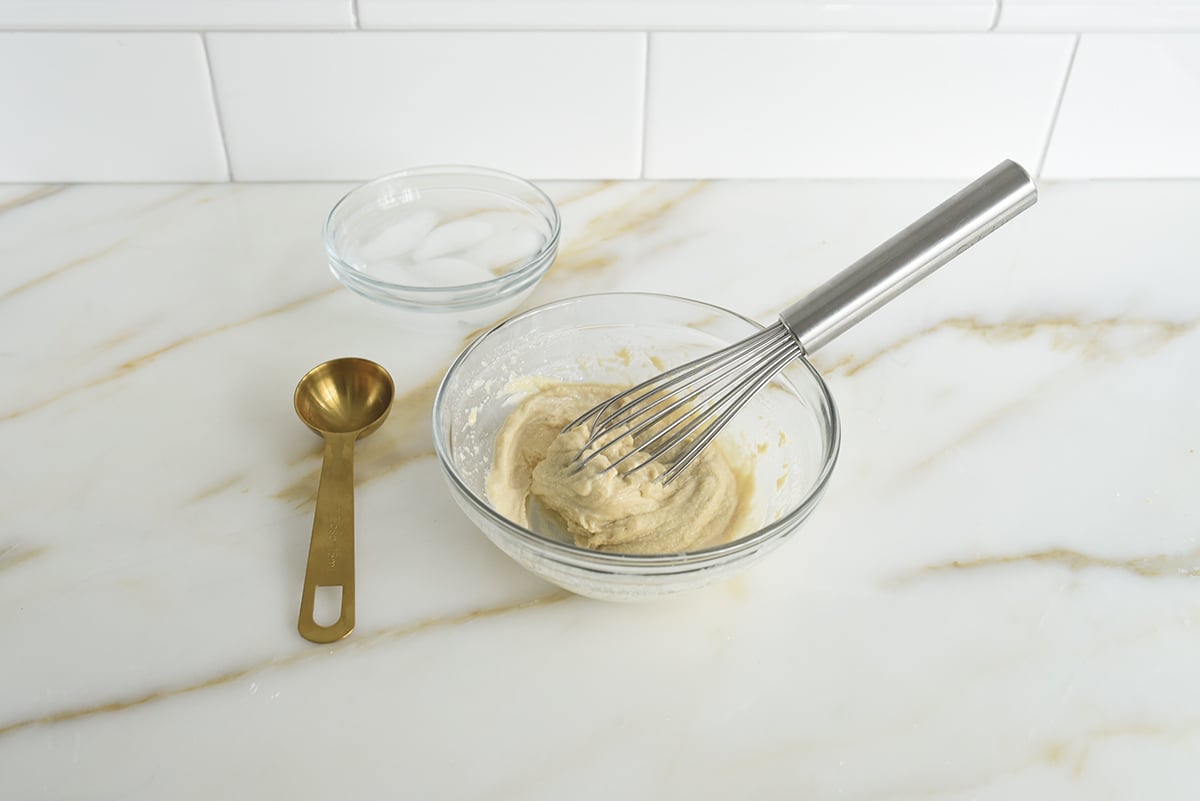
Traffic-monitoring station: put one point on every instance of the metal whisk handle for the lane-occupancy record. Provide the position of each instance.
(906, 258)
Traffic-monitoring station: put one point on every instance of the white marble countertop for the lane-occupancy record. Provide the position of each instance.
(997, 599)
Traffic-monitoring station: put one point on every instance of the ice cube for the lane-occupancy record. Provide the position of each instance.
(506, 249)
(452, 237)
(446, 271)
(399, 237)
(394, 270)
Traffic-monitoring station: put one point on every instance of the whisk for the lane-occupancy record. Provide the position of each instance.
(674, 416)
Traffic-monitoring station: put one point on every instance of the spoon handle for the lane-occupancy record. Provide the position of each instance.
(331, 549)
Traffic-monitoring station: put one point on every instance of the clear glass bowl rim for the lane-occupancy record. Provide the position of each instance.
(531, 264)
(622, 562)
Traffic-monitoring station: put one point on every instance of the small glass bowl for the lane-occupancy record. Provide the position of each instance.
(790, 428)
(457, 244)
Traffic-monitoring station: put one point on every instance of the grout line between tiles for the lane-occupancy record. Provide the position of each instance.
(996, 15)
(645, 102)
(1062, 93)
(212, 87)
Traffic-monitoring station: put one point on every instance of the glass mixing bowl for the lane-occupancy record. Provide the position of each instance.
(790, 430)
(449, 246)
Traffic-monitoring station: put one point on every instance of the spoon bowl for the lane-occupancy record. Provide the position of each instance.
(344, 396)
(341, 400)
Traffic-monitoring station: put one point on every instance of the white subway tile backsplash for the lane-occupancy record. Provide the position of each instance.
(330, 106)
(837, 106)
(1099, 15)
(107, 107)
(597, 88)
(185, 14)
(839, 15)
(1131, 109)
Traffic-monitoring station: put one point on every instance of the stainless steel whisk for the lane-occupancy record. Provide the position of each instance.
(690, 404)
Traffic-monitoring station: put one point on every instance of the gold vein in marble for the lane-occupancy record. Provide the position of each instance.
(45, 192)
(124, 369)
(1160, 332)
(586, 193)
(57, 271)
(218, 488)
(1067, 333)
(13, 555)
(157, 204)
(642, 211)
(979, 426)
(1077, 750)
(357, 641)
(133, 364)
(471, 337)
(1160, 565)
(116, 339)
(41, 193)
(1058, 753)
(123, 213)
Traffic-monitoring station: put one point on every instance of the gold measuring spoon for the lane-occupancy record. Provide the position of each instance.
(341, 400)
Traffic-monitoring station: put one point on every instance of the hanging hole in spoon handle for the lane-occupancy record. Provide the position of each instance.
(888, 270)
(331, 549)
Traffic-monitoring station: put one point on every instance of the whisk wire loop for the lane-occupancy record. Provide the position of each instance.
(664, 380)
(767, 373)
(690, 420)
(689, 412)
(616, 426)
